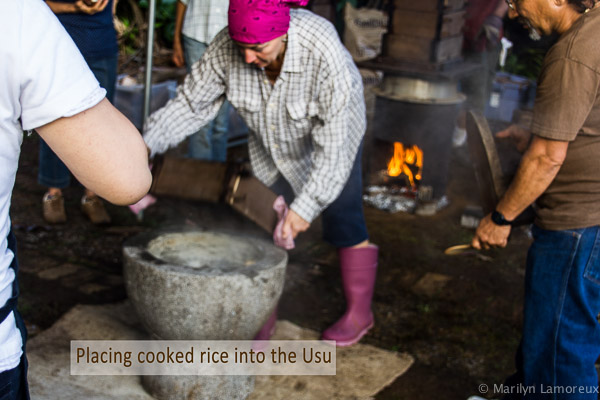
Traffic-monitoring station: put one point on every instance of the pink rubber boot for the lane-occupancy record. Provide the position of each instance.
(268, 329)
(358, 267)
(261, 340)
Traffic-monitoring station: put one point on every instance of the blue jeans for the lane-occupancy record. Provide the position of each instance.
(561, 334)
(52, 172)
(210, 142)
(343, 220)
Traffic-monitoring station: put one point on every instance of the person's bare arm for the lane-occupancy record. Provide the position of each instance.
(177, 58)
(103, 150)
(537, 170)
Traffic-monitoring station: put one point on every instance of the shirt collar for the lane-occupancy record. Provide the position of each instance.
(292, 62)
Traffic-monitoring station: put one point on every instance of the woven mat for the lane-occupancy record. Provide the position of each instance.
(362, 370)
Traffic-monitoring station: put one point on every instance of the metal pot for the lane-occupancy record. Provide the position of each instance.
(421, 91)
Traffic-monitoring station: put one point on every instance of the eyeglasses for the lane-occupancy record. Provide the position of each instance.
(512, 4)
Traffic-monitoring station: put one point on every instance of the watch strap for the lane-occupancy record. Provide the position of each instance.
(499, 219)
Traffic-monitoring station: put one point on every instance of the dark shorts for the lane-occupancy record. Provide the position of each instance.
(13, 383)
(343, 221)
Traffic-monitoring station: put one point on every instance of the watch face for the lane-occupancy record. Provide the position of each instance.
(499, 219)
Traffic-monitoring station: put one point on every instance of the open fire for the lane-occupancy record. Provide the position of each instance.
(397, 186)
(407, 162)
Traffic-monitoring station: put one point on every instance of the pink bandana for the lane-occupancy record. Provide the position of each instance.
(258, 21)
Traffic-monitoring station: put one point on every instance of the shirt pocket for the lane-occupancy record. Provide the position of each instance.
(302, 117)
(248, 107)
(247, 104)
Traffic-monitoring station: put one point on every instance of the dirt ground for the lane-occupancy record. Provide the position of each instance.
(459, 316)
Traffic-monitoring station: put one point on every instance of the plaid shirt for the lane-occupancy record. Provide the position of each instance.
(204, 18)
(307, 126)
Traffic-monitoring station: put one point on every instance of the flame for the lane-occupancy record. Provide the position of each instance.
(403, 159)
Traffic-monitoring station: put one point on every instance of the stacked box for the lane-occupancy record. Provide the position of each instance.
(426, 31)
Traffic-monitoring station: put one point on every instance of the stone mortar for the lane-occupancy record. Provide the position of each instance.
(169, 387)
(199, 285)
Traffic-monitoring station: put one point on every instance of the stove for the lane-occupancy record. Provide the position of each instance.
(418, 100)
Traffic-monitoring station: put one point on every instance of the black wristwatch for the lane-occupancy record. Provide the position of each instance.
(499, 219)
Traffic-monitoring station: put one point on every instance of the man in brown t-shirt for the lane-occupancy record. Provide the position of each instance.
(560, 171)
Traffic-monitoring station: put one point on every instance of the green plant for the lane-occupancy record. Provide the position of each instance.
(164, 21)
(128, 36)
(132, 24)
(527, 64)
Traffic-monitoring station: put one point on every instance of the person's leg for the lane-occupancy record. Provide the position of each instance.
(220, 129)
(105, 70)
(344, 221)
(193, 51)
(210, 142)
(344, 227)
(21, 387)
(13, 382)
(53, 174)
(561, 334)
(52, 171)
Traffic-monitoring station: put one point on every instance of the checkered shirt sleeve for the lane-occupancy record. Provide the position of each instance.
(307, 126)
(197, 102)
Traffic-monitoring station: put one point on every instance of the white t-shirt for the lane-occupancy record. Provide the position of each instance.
(43, 77)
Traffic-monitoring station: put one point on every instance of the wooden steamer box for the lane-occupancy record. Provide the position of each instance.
(427, 31)
(430, 5)
(423, 50)
(191, 179)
